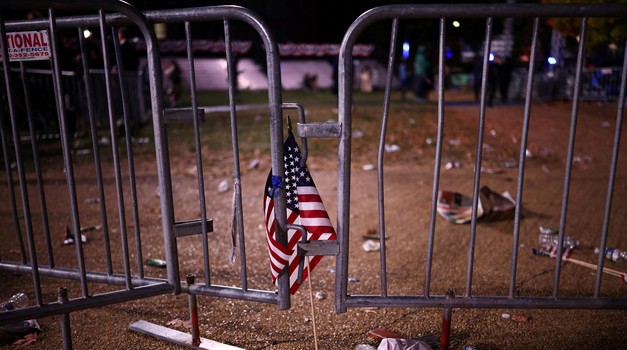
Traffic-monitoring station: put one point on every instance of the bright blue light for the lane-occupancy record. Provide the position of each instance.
(405, 50)
(448, 53)
(552, 60)
(491, 57)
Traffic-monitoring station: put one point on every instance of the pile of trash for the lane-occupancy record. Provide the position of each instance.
(548, 242)
(390, 340)
(20, 333)
(457, 208)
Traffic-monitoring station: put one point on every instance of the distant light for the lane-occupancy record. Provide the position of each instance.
(405, 49)
(552, 60)
(456, 24)
(86, 33)
(448, 53)
(491, 57)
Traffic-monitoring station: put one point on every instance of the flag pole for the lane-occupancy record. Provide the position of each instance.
(313, 311)
(311, 297)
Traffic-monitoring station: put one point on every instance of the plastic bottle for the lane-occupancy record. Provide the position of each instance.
(548, 240)
(17, 301)
(614, 254)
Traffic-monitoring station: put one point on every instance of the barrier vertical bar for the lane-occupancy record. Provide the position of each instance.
(126, 111)
(522, 156)
(570, 152)
(276, 140)
(381, 153)
(345, 79)
(37, 165)
(96, 149)
(238, 219)
(199, 164)
(114, 150)
(438, 160)
(66, 148)
(478, 154)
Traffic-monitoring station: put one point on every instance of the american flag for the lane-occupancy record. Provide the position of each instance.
(304, 207)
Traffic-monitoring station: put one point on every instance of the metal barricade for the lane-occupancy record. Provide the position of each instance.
(601, 84)
(423, 295)
(116, 197)
(109, 198)
(227, 15)
(34, 198)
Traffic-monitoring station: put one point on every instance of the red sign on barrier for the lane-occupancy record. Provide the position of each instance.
(27, 46)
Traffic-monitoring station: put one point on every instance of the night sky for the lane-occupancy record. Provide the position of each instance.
(318, 21)
(326, 21)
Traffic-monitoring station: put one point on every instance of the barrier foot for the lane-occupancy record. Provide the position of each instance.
(64, 321)
(177, 337)
(193, 311)
(446, 323)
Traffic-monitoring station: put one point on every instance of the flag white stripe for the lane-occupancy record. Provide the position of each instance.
(307, 190)
(325, 236)
(278, 253)
(315, 222)
(269, 215)
(311, 206)
(293, 278)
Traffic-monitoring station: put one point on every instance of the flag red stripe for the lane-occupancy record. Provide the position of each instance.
(309, 197)
(294, 239)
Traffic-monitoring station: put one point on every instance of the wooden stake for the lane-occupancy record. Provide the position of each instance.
(612, 272)
(619, 274)
(313, 311)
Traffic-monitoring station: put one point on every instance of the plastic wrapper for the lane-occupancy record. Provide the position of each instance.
(403, 344)
(21, 327)
(457, 208)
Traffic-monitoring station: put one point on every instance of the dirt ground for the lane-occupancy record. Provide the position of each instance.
(408, 176)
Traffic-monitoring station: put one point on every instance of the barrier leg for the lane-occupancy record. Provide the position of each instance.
(193, 312)
(446, 323)
(64, 321)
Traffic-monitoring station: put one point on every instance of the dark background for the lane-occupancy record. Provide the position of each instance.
(326, 21)
(322, 21)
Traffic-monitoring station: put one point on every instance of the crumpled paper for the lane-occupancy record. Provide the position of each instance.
(403, 344)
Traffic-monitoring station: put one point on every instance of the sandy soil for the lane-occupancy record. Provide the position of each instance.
(408, 174)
